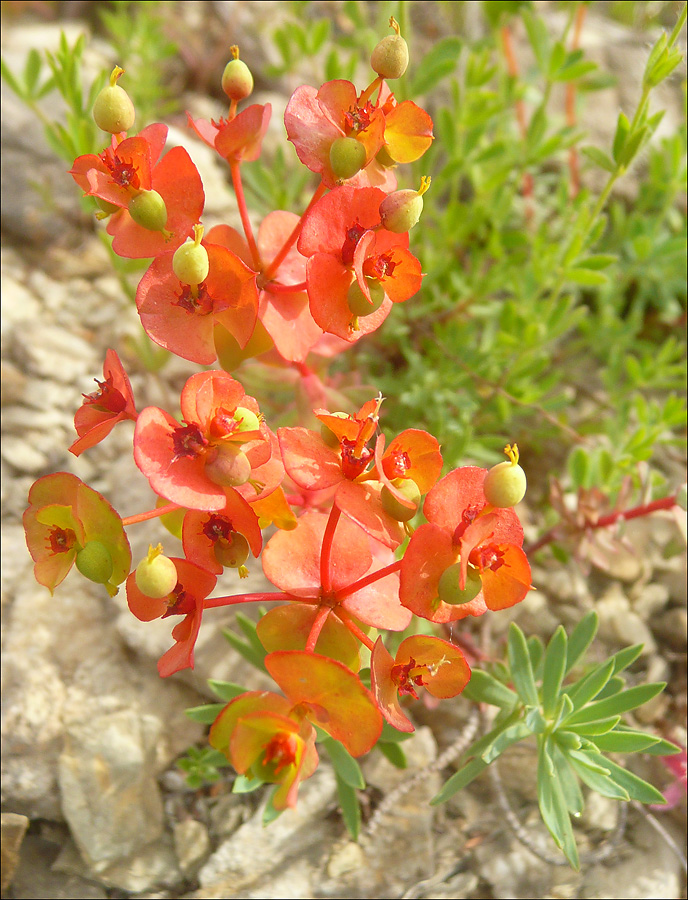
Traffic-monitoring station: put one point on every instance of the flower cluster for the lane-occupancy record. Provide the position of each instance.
(345, 559)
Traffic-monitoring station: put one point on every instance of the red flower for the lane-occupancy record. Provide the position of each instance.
(206, 536)
(263, 736)
(462, 528)
(113, 402)
(182, 317)
(238, 139)
(199, 463)
(408, 130)
(193, 586)
(126, 168)
(345, 243)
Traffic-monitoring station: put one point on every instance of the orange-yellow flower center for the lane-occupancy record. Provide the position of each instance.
(280, 752)
(60, 540)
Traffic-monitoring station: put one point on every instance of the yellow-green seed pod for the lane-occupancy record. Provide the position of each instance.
(359, 303)
(156, 574)
(190, 262)
(113, 110)
(347, 157)
(230, 466)
(232, 553)
(148, 210)
(448, 589)
(246, 419)
(237, 80)
(230, 355)
(390, 58)
(401, 210)
(95, 562)
(395, 508)
(505, 484)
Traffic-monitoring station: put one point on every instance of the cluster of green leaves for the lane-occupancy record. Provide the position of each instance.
(575, 723)
(201, 765)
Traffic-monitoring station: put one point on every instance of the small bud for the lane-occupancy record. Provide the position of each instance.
(359, 303)
(95, 562)
(148, 210)
(156, 574)
(347, 157)
(396, 509)
(237, 81)
(400, 211)
(232, 553)
(390, 58)
(113, 110)
(505, 483)
(190, 261)
(328, 435)
(230, 467)
(105, 209)
(448, 589)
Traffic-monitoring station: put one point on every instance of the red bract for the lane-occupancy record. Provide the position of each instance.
(179, 459)
(182, 317)
(292, 561)
(314, 119)
(344, 242)
(123, 170)
(330, 696)
(463, 528)
(63, 516)
(288, 627)
(239, 139)
(113, 402)
(264, 737)
(207, 535)
(421, 661)
(193, 586)
(408, 130)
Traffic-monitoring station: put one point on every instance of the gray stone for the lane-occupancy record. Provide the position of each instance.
(191, 845)
(12, 830)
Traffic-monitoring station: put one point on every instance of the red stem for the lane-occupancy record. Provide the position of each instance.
(317, 627)
(271, 270)
(368, 579)
(150, 514)
(263, 597)
(326, 550)
(273, 288)
(605, 521)
(235, 169)
(354, 629)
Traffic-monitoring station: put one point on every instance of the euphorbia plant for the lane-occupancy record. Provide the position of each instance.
(346, 559)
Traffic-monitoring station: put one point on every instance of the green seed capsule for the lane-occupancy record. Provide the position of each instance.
(448, 588)
(400, 211)
(190, 263)
(505, 485)
(358, 302)
(246, 419)
(396, 509)
(95, 562)
(237, 80)
(390, 58)
(156, 575)
(113, 110)
(347, 156)
(230, 467)
(148, 210)
(232, 553)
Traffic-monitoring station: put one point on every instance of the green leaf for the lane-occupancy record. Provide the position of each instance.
(601, 159)
(392, 735)
(459, 780)
(206, 714)
(567, 740)
(439, 62)
(586, 277)
(535, 721)
(636, 788)
(553, 671)
(394, 753)
(624, 658)
(246, 650)
(597, 261)
(350, 807)
(32, 69)
(538, 37)
(580, 638)
(536, 650)
(578, 466)
(270, 813)
(554, 809)
(226, 690)
(571, 71)
(244, 785)
(625, 741)
(601, 726)
(507, 738)
(588, 687)
(10, 80)
(623, 127)
(485, 688)
(345, 766)
(598, 781)
(570, 788)
(619, 703)
(519, 664)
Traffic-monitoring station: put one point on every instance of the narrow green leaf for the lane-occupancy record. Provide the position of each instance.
(392, 735)
(624, 658)
(588, 687)
(205, 714)
(248, 653)
(394, 753)
(618, 704)
(10, 80)
(519, 663)
(570, 788)
(248, 626)
(564, 709)
(663, 748)
(459, 780)
(636, 788)
(586, 277)
(485, 688)
(601, 159)
(244, 785)
(535, 721)
(553, 808)
(226, 690)
(538, 37)
(625, 741)
(270, 813)
(567, 740)
(350, 807)
(553, 670)
(633, 144)
(578, 465)
(32, 69)
(569, 72)
(345, 766)
(536, 650)
(583, 757)
(507, 738)
(603, 784)
(601, 726)
(597, 261)
(623, 127)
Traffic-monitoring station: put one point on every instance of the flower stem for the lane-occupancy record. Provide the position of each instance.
(354, 629)
(273, 288)
(235, 169)
(317, 627)
(150, 514)
(279, 259)
(233, 600)
(371, 578)
(326, 550)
